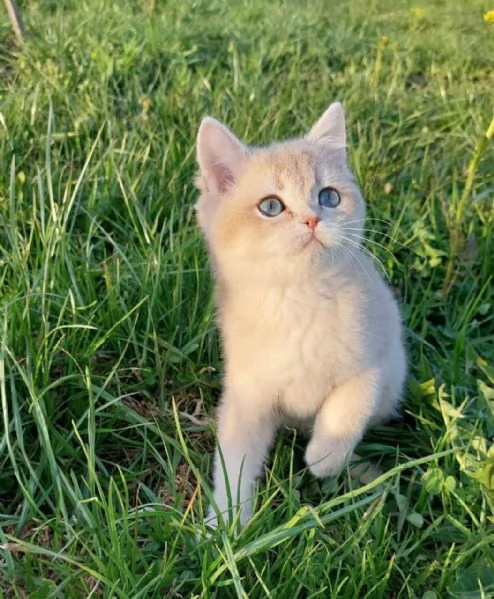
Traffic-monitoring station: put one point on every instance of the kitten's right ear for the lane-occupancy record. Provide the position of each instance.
(330, 128)
(221, 156)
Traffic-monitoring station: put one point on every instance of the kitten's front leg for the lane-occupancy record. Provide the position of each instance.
(244, 437)
(341, 422)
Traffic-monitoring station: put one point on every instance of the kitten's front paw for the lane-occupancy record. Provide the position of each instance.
(213, 522)
(206, 530)
(328, 458)
(245, 515)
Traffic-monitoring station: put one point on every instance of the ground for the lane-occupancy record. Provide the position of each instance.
(110, 365)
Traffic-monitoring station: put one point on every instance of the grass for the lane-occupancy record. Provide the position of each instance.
(109, 359)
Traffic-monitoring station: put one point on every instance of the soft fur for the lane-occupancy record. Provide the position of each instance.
(311, 333)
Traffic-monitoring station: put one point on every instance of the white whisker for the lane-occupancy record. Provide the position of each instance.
(369, 219)
(368, 253)
(376, 243)
(359, 263)
(376, 232)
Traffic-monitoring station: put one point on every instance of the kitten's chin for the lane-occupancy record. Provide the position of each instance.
(312, 243)
(325, 237)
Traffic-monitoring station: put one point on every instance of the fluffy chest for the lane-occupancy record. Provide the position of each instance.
(292, 346)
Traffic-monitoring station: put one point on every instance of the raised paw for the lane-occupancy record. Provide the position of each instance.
(328, 458)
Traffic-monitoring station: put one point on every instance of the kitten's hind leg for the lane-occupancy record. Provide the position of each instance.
(341, 422)
(244, 438)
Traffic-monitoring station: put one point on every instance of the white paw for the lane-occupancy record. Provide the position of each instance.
(205, 531)
(213, 522)
(245, 514)
(329, 458)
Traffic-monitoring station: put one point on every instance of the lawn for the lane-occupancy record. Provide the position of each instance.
(110, 366)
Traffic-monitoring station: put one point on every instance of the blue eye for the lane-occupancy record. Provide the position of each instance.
(329, 197)
(271, 207)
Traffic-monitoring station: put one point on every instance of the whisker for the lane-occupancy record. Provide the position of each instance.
(376, 243)
(366, 250)
(369, 219)
(359, 262)
(346, 251)
(331, 257)
(370, 254)
(375, 232)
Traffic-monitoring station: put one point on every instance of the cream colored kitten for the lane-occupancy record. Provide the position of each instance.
(311, 333)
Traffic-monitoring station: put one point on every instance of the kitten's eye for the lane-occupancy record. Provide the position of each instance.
(329, 197)
(271, 207)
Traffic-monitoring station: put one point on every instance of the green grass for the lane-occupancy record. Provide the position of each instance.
(109, 360)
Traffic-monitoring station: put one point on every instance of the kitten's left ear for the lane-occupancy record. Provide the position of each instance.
(330, 128)
(221, 156)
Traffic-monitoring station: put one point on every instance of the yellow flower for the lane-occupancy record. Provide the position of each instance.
(145, 103)
(489, 16)
(417, 12)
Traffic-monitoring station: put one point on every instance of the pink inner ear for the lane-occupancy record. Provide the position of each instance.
(220, 155)
(221, 177)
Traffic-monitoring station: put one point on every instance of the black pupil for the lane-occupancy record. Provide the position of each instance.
(271, 207)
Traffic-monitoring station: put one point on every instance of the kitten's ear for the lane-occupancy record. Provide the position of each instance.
(330, 128)
(221, 156)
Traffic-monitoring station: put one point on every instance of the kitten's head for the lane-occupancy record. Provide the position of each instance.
(279, 211)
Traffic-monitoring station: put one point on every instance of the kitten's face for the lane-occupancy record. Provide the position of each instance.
(281, 210)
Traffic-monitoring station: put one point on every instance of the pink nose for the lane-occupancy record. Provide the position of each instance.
(311, 221)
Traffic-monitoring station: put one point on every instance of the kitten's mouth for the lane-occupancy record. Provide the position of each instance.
(312, 241)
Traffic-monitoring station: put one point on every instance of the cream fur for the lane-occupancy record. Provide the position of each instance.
(311, 334)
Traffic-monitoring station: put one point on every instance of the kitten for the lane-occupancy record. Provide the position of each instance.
(311, 334)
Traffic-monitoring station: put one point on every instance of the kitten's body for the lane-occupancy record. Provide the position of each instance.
(311, 333)
(291, 329)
